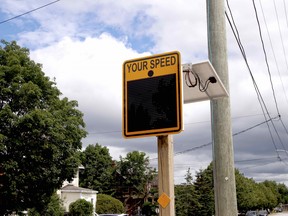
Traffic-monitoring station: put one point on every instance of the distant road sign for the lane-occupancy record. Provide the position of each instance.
(152, 95)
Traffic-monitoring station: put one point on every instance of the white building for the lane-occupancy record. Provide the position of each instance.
(70, 192)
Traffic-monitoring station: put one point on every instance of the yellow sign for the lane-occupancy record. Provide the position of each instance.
(152, 95)
(160, 65)
(164, 200)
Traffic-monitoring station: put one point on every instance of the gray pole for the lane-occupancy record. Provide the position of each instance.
(223, 153)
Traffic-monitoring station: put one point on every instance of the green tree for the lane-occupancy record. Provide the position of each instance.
(107, 204)
(135, 170)
(283, 193)
(81, 207)
(135, 176)
(149, 208)
(97, 174)
(246, 192)
(186, 199)
(280, 192)
(261, 200)
(54, 208)
(40, 133)
(204, 190)
(271, 194)
(252, 195)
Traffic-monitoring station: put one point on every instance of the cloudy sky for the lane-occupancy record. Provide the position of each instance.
(83, 44)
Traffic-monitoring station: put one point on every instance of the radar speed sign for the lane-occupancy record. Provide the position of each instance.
(152, 95)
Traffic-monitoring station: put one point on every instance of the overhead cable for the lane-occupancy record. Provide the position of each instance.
(256, 159)
(15, 17)
(262, 164)
(283, 48)
(266, 58)
(268, 68)
(272, 48)
(259, 95)
(285, 9)
(210, 143)
(186, 124)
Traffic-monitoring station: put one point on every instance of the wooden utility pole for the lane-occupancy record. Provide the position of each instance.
(166, 175)
(223, 153)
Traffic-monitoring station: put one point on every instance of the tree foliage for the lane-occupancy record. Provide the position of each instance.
(81, 207)
(149, 208)
(97, 173)
(244, 190)
(205, 192)
(186, 199)
(283, 193)
(133, 176)
(135, 171)
(127, 179)
(39, 132)
(250, 194)
(107, 204)
(53, 208)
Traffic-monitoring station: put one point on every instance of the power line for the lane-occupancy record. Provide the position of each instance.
(272, 48)
(259, 95)
(265, 54)
(285, 128)
(192, 149)
(236, 117)
(285, 9)
(210, 143)
(186, 124)
(234, 134)
(256, 159)
(15, 17)
(262, 164)
(268, 68)
(260, 160)
(238, 40)
(250, 128)
(283, 48)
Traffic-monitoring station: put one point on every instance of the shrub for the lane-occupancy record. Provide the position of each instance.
(108, 204)
(80, 207)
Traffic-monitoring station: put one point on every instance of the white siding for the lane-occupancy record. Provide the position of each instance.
(69, 197)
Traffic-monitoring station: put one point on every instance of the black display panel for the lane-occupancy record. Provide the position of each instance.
(152, 103)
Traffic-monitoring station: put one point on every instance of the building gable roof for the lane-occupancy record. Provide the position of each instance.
(73, 189)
